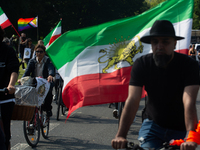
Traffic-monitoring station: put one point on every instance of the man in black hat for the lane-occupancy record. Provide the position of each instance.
(171, 80)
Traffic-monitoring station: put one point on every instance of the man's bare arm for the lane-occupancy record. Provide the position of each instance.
(13, 79)
(189, 101)
(128, 115)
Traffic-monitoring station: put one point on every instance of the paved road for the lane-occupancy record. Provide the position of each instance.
(91, 127)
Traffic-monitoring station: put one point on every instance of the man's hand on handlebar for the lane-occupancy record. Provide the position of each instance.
(11, 89)
(188, 146)
(19, 81)
(50, 79)
(119, 143)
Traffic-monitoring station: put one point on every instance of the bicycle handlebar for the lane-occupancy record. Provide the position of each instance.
(166, 146)
(4, 90)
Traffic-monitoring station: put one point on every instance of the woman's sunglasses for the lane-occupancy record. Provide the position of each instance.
(39, 52)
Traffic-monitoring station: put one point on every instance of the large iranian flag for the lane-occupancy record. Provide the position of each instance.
(95, 62)
(53, 35)
(4, 22)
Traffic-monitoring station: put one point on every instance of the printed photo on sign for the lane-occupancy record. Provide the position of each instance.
(27, 53)
(42, 89)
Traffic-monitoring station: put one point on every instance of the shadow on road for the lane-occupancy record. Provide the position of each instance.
(64, 143)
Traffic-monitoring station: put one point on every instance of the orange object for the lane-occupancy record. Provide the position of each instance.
(176, 142)
(193, 137)
(198, 127)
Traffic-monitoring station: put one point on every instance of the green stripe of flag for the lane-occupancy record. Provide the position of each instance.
(48, 37)
(72, 43)
(1, 11)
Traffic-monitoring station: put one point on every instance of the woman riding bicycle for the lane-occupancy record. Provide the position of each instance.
(9, 67)
(41, 66)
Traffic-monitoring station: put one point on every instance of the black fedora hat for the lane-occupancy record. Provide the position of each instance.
(161, 28)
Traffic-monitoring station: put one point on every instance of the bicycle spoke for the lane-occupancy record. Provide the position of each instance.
(45, 124)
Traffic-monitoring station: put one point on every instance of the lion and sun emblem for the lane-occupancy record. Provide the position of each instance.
(123, 50)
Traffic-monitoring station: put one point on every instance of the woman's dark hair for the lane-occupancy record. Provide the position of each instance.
(40, 46)
(28, 40)
(193, 47)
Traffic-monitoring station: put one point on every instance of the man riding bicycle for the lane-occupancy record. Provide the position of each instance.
(171, 80)
(9, 67)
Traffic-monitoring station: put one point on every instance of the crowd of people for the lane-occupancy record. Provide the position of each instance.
(16, 52)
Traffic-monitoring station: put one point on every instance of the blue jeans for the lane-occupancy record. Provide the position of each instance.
(152, 135)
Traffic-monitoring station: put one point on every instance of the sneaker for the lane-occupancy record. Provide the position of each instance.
(115, 113)
(54, 97)
(49, 113)
(30, 129)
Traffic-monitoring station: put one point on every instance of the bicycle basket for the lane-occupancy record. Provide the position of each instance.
(23, 112)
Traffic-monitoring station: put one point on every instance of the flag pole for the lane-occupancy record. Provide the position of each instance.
(37, 34)
(15, 30)
(37, 30)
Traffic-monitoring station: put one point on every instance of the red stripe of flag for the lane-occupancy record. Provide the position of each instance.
(81, 92)
(6, 24)
(53, 38)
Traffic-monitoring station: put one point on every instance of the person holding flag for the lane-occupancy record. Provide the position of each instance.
(170, 110)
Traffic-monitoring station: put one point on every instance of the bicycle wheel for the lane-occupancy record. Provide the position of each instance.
(59, 102)
(44, 124)
(32, 130)
(121, 106)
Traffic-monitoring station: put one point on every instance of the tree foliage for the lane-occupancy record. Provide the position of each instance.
(153, 3)
(75, 14)
(196, 13)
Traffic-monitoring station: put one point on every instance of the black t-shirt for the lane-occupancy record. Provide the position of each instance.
(165, 87)
(8, 64)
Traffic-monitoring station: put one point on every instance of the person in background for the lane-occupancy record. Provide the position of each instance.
(40, 42)
(30, 45)
(22, 45)
(193, 52)
(8, 76)
(14, 43)
(6, 41)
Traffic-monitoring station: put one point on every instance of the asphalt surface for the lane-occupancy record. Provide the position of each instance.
(91, 127)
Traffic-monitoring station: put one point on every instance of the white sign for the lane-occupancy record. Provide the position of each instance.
(27, 53)
(42, 89)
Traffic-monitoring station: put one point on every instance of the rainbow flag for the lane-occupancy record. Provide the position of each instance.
(34, 22)
(23, 23)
